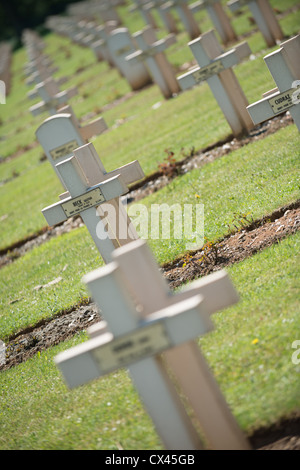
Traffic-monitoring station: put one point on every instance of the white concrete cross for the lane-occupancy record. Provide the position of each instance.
(164, 12)
(61, 134)
(42, 75)
(219, 18)
(284, 66)
(94, 194)
(152, 53)
(144, 319)
(186, 16)
(85, 200)
(51, 96)
(38, 64)
(264, 17)
(141, 6)
(107, 11)
(120, 45)
(99, 45)
(215, 68)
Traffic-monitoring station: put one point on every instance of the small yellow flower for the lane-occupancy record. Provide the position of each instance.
(197, 195)
(255, 341)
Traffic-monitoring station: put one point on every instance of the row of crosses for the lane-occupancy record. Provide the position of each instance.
(146, 327)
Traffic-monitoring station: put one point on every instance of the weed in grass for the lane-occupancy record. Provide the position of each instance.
(168, 166)
(240, 221)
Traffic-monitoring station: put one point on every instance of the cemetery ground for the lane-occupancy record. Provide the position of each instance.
(250, 190)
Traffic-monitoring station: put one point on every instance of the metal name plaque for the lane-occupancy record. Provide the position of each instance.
(64, 149)
(208, 71)
(81, 203)
(283, 101)
(130, 348)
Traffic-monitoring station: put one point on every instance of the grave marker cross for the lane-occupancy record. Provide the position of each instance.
(185, 14)
(219, 18)
(152, 53)
(120, 45)
(264, 17)
(215, 68)
(284, 66)
(145, 319)
(83, 199)
(89, 187)
(51, 96)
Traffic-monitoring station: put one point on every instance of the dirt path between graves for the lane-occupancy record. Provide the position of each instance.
(250, 239)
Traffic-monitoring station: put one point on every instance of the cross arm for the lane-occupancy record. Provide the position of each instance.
(162, 330)
(96, 195)
(222, 62)
(95, 127)
(151, 50)
(235, 5)
(271, 106)
(217, 290)
(131, 172)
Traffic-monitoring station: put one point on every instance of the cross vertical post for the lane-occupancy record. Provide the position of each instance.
(215, 68)
(152, 53)
(264, 17)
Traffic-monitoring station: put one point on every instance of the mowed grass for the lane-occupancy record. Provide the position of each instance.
(250, 353)
(141, 127)
(263, 177)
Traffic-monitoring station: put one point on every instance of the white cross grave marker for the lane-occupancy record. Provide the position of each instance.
(83, 199)
(215, 68)
(42, 75)
(264, 17)
(141, 6)
(144, 319)
(152, 52)
(165, 14)
(284, 66)
(186, 16)
(38, 64)
(120, 45)
(61, 135)
(219, 18)
(99, 45)
(88, 187)
(51, 96)
(61, 138)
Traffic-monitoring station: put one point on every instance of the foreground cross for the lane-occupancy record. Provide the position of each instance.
(284, 66)
(264, 17)
(142, 320)
(152, 53)
(215, 68)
